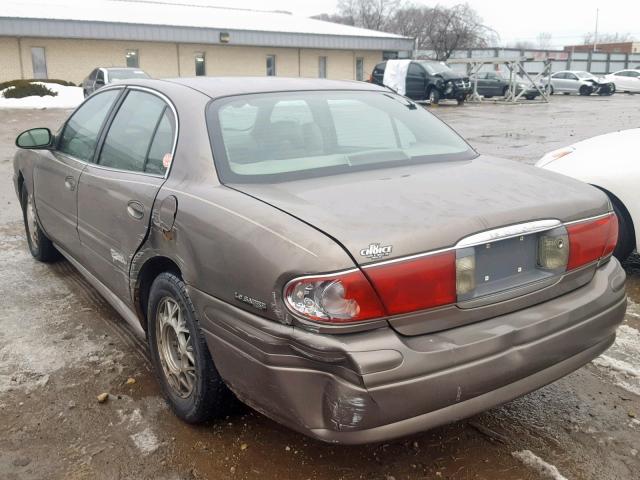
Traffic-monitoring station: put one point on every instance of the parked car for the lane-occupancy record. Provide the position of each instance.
(608, 162)
(102, 76)
(493, 84)
(580, 82)
(334, 255)
(429, 80)
(626, 80)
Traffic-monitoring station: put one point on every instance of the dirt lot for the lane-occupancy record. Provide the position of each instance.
(61, 345)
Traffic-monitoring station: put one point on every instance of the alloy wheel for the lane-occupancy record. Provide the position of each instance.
(175, 348)
(32, 223)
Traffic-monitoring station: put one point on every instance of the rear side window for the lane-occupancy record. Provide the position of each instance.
(140, 138)
(80, 135)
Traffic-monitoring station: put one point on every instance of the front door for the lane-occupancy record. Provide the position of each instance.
(415, 82)
(57, 172)
(116, 195)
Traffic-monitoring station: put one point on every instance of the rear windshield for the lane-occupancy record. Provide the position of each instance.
(275, 137)
(124, 74)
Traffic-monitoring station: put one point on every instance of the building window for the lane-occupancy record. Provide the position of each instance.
(360, 69)
(322, 67)
(271, 65)
(39, 62)
(132, 59)
(200, 65)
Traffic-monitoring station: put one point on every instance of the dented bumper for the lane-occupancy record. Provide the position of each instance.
(378, 385)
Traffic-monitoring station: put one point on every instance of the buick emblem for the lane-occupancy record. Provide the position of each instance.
(374, 251)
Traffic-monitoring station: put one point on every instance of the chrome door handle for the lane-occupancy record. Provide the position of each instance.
(135, 209)
(70, 183)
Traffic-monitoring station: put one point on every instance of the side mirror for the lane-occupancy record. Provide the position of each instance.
(36, 138)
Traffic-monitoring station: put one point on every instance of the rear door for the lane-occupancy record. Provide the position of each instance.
(57, 172)
(116, 194)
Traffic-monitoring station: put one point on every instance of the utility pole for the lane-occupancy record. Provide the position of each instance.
(595, 37)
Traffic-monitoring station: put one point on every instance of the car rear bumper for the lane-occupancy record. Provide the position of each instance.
(378, 385)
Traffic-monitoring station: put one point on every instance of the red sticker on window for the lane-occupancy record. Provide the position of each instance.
(166, 160)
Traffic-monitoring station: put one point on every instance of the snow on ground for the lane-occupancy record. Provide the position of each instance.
(545, 469)
(68, 97)
(622, 361)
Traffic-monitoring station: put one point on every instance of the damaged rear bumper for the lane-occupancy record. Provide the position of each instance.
(377, 385)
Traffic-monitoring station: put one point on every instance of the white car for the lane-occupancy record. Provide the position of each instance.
(609, 162)
(626, 80)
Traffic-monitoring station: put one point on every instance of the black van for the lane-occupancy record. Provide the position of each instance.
(430, 80)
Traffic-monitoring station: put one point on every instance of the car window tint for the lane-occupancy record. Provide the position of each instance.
(159, 157)
(129, 137)
(620, 74)
(414, 69)
(359, 125)
(80, 135)
(571, 76)
(633, 74)
(100, 75)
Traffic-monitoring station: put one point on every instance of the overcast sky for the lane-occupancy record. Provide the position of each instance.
(566, 20)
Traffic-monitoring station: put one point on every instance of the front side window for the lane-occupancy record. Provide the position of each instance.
(322, 67)
(360, 69)
(100, 76)
(130, 144)
(271, 65)
(267, 138)
(132, 58)
(200, 65)
(80, 135)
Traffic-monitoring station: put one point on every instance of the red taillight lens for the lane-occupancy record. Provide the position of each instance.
(416, 284)
(591, 240)
(340, 298)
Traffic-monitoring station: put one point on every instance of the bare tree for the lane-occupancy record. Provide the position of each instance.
(544, 40)
(334, 18)
(373, 14)
(449, 29)
(589, 37)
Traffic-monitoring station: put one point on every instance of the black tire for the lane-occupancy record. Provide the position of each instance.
(433, 95)
(585, 90)
(505, 91)
(626, 233)
(209, 397)
(41, 248)
(460, 100)
(530, 97)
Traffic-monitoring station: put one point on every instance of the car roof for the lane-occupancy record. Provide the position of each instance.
(216, 87)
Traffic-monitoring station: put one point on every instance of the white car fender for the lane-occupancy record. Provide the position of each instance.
(610, 162)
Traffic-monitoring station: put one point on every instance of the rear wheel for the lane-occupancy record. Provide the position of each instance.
(182, 363)
(460, 100)
(530, 97)
(40, 246)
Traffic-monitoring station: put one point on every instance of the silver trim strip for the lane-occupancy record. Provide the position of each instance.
(511, 231)
(573, 222)
(410, 257)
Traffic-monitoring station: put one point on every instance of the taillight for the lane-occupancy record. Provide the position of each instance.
(591, 240)
(416, 283)
(340, 298)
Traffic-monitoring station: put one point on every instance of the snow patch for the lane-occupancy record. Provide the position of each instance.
(545, 469)
(146, 441)
(622, 361)
(68, 97)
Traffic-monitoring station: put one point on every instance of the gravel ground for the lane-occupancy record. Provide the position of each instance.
(61, 345)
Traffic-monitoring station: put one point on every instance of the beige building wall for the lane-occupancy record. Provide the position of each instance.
(9, 59)
(71, 59)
